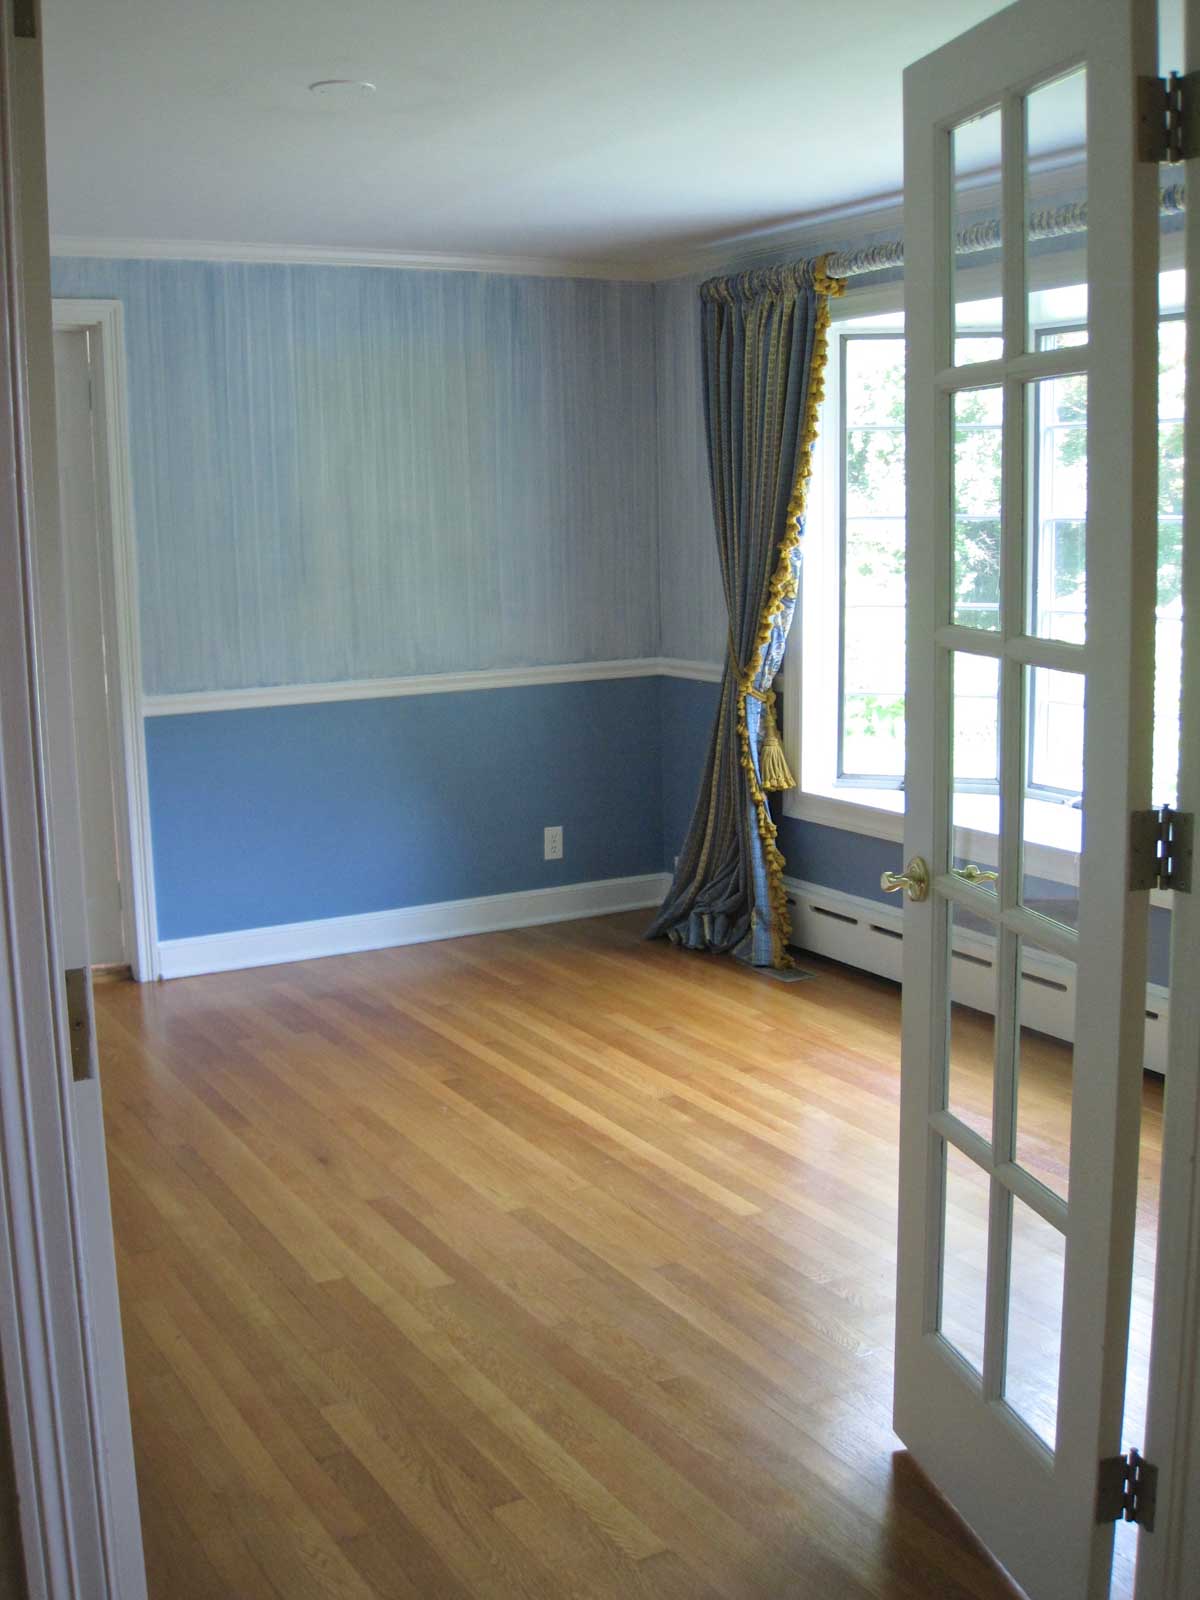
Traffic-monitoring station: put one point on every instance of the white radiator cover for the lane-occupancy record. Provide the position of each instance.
(865, 934)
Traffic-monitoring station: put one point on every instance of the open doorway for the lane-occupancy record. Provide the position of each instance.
(96, 499)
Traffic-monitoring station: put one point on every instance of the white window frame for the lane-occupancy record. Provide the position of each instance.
(810, 677)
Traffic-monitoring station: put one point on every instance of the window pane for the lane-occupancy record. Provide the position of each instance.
(1055, 127)
(974, 154)
(963, 1295)
(875, 380)
(1064, 338)
(1042, 1135)
(1168, 642)
(1058, 572)
(1055, 714)
(875, 472)
(875, 650)
(873, 736)
(980, 347)
(975, 757)
(970, 1048)
(1035, 1304)
(1051, 813)
(978, 417)
(874, 561)
(872, 634)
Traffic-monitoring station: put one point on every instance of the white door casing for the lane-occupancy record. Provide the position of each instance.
(83, 541)
(59, 1321)
(1033, 1507)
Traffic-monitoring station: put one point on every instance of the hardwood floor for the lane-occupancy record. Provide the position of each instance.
(541, 1264)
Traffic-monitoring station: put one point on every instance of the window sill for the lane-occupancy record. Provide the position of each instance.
(877, 813)
(1052, 853)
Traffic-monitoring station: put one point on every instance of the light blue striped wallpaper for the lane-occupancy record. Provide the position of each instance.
(693, 622)
(354, 473)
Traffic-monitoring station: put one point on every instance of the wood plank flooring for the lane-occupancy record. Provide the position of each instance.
(542, 1264)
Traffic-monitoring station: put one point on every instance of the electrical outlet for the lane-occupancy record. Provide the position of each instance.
(552, 843)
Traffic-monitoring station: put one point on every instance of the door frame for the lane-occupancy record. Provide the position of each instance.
(78, 1524)
(104, 321)
(1173, 1412)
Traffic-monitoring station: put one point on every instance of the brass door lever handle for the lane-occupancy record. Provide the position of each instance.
(914, 880)
(974, 874)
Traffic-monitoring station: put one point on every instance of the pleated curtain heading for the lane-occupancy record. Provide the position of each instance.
(764, 339)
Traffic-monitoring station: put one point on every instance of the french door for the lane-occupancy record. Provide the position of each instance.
(1016, 1242)
(1169, 1559)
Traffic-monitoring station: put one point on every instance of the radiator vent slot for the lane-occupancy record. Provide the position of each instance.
(834, 916)
(888, 933)
(974, 961)
(1044, 983)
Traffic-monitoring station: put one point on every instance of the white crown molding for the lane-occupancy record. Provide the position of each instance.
(227, 250)
(307, 694)
(811, 232)
(380, 930)
(796, 236)
(801, 234)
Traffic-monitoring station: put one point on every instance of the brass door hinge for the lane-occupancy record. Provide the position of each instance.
(1166, 118)
(1126, 1490)
(24, 15)
(1160, 850)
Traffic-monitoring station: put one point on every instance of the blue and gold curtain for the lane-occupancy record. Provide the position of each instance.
(763, 340)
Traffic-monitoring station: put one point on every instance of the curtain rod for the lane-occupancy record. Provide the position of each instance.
(1050, 224)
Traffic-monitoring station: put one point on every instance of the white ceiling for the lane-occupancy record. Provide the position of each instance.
(579, 130)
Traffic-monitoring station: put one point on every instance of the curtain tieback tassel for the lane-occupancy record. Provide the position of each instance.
(776, 774)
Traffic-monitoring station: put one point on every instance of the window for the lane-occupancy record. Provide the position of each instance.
(853, 603)
(871, 636)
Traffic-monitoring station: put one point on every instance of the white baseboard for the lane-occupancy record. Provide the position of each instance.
(377, 930)
(868, 935)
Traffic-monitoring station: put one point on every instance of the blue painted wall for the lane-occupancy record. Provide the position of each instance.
(686, 712)
(354, 473)
(289, 813)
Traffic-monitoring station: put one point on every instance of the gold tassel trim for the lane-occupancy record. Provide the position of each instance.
(776, 774)
(783, 588)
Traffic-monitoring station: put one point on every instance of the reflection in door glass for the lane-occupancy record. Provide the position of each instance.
(1052, 811)
(970, 1044)
(1055, 133)
(978, 433)
(1168, 643)
(1042, 1143)
(1035, 1302)
(975, 157)
(1057, 566)
(976, 763)
(963, 1298)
